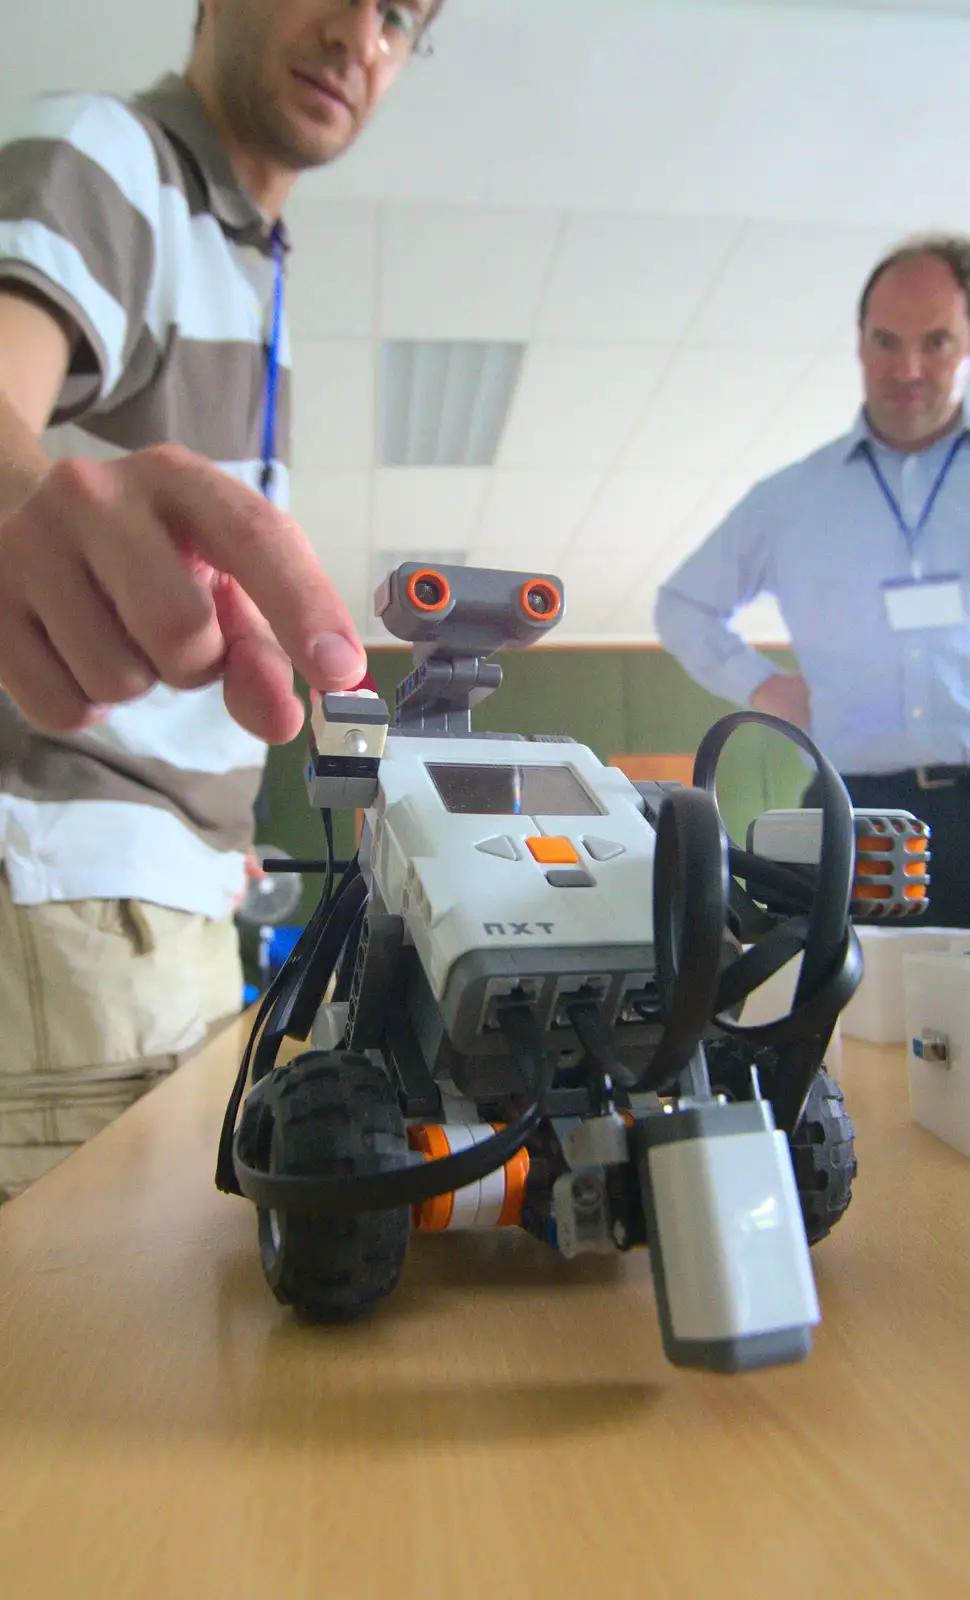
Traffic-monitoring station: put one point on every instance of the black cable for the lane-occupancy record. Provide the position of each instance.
(310, 974)
(772, 879)
(327, 908)
(596, 1037)
(690, 890)
(348, 960)
(313, 982)
(783, 942)
(225, 1175)
(275, 1016)
(829, 913)
(410, 1184)
(296, 866)
(819, 927)
(747, 973)
(690, 887)
(328, 835)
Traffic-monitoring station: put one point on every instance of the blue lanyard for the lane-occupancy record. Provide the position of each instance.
(273, 370)
(911, 535)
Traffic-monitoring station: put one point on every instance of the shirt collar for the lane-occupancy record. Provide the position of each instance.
(861, 436)
(174, 104)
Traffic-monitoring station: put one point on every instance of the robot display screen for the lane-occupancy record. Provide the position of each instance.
(510, 791)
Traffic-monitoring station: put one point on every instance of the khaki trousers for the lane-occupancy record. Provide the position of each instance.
(98, 1000)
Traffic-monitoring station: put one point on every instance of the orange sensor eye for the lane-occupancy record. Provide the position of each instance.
(541, 601)
(428, 591)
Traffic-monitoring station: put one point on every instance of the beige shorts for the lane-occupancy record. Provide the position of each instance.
(98, 1000)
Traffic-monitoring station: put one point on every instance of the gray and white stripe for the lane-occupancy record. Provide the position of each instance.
(128, 218)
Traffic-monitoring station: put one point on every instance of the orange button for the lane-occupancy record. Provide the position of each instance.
(553, 852)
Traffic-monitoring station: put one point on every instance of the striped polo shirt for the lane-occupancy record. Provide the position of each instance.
(127, 216)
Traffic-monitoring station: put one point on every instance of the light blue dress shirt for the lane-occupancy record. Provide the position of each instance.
(821, 537)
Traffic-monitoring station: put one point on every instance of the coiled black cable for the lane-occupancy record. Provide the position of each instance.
(287, 1010)
(696, 868)
(412, 1182)
(694, 856)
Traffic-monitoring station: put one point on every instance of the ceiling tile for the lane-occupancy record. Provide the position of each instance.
(433, 508)
(632, 278)
(790, 285)
(333, 404)
(529, 517)
(810, 111)
(712, 403)
(596, 587)
(452, 272)
(634, 514)
(332, 508)
(577, 404)
(822, 405)
(332, 271)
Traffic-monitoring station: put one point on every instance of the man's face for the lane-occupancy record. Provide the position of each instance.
(915, 351)
(298, 79)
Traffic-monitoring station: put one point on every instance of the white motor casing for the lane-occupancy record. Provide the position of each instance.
(731, 1262)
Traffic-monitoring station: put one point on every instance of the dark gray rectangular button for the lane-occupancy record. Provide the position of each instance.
(355, 708)
(569, 878)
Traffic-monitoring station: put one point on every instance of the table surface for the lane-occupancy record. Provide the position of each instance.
(506, 1424)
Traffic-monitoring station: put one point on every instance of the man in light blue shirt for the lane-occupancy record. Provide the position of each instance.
(866, 546)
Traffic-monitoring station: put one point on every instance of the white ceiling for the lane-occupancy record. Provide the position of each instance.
(673, 202)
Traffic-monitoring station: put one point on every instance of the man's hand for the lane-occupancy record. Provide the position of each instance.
(784, 695)
(162, 569)
(255, 872)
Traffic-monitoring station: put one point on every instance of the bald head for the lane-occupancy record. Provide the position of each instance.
(914, 345)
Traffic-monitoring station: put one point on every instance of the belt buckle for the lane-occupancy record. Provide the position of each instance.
(926, 782)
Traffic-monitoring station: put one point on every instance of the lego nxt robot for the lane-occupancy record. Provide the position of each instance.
(524, 997)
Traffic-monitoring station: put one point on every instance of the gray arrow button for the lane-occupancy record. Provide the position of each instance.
(499, 846)
(603, 849)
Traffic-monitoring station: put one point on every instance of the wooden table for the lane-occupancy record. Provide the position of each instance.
(505, 1426)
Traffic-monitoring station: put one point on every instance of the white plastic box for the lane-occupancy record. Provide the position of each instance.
(876, 1011)
(937, 1009)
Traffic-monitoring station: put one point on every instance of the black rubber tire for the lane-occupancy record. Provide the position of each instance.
(318, 1117)
(823, 1145)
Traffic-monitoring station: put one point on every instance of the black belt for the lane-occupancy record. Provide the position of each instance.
(921, 777)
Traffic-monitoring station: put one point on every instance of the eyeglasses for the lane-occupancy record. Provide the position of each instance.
(402, 31)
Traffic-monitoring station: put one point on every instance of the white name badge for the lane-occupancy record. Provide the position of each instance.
(935, 601)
